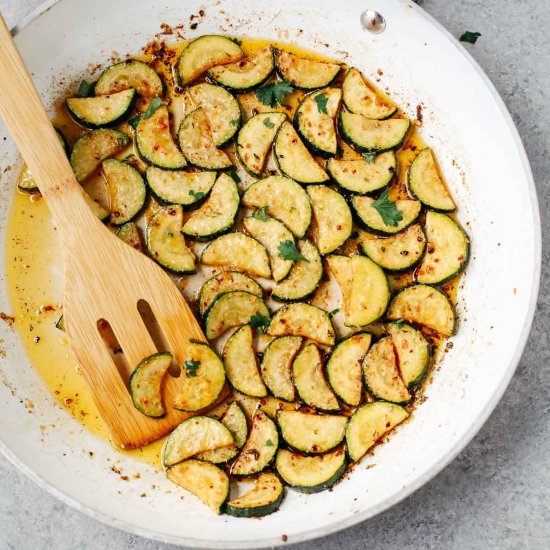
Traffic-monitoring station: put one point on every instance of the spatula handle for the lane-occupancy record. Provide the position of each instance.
(30, 127)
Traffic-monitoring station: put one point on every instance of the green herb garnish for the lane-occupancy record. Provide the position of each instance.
(85, 88)
(191, 367)
(390, 214)
(156, 102)
(274, 93)
(269, 443)
(322, 100)
(261, 214)
(133, 122)
(288, 251)
(470, 37)
(258, 320)
(369, 156)
(268, 123)
(197, 195)
(399, 323)
(234, 122)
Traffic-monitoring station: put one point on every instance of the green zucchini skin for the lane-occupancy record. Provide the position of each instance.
(130, 73)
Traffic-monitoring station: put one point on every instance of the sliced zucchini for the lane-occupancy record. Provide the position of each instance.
(340, 268)
(60, 324)
(195, 139)
(426, 184)
(226, 281)
(304, 277)
(235, 420)
(101, 111)
(277, 364)
(206, 52)
(309, 379)
(126, 190)
(179, 187)
(246, 74)
(369, 423)
(424, 305)
(373, 135)
(255, 139)
(129, 233)
(286, 201)
(372, 221)
(264, 499)
(232, 309)
(381, 373)
(361, 176)
(193, 436)
(369, 293)
(221, 109)
(314, 121)
(165, 242)
(361, 98)
(311, 474)
(260, 447)
(413, 352)
(293, 158)
(155, 143)
(238, 251)
(95, 207)
(145, 384)
(447, 251)
(93, 147)
(62, 140)
(344, 371)
(202, 378)
(207, 482)
(305, 320)
(397, 252)
(217, 214)
(333, 220)
(271, 233)
(311, 433)
(303, 73)
(130, 73)
(241, 364)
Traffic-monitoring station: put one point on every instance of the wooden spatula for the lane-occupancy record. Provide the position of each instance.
(104, 277)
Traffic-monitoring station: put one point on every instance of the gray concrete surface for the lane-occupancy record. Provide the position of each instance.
(496, 494)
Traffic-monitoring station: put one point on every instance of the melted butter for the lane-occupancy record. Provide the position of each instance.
(34, 255)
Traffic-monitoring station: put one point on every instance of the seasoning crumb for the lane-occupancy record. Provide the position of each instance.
(284, 538)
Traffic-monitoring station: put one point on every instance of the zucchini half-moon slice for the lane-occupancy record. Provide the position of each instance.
(130, 73)
(179, 187)
(247, 74)
(368, 217)
(426, 184)
(373, 135)
(286, 201)
(129, 233)
(332, 215)
(311, 433)
(424, 305)
(381, 373)
(232, 309)
(303, 73)
(155, 143)
(263, 499)
(361, 98)
(145, 384)
(305, 320)
(226, 281)
(204, 53)
(93, 147)
(126, 190)
(311, 474)
(101, 111)
(238, 251)
(447, 251)
(221, 109)
(196, 142)
(255, 139)
(369, 423)
(165, 242)
(362, 177)
(314, 121)
(309, 379)
(217, 214)
(277, 364)
(202, 378)
(293, 158)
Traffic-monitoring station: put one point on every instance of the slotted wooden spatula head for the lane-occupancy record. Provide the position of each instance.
(105, 278)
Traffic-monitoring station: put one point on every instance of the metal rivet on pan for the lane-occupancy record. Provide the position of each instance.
(373, 21)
